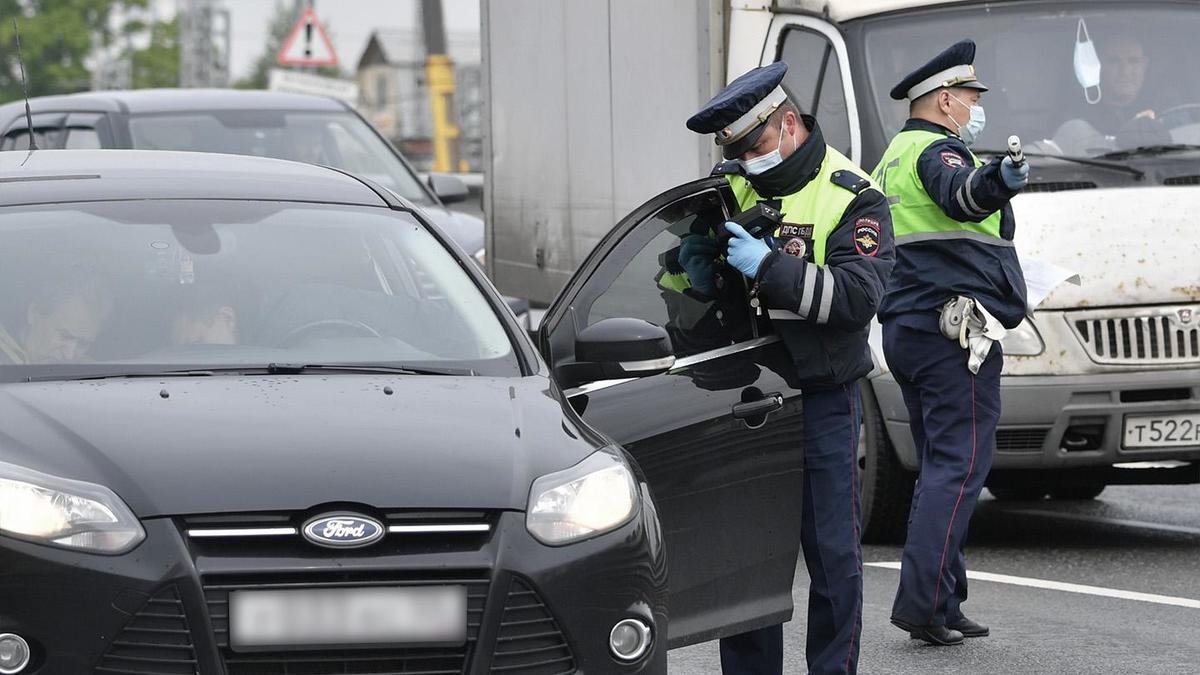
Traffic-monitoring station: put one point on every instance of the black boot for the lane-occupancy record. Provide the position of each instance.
(969, 628)
(934, 635)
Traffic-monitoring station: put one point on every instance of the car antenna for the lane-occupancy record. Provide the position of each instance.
(24, 86)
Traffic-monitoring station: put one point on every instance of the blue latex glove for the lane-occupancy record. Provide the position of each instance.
(745, 252)
(698, 257)
(1014, 177)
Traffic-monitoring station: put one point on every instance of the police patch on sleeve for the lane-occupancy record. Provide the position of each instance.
(866, 236)
(952, 159)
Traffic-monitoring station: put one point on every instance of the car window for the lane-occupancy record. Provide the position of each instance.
(340, 140)
(191, 284)
(82, 138)
(46, 138)
(814, 82)
(660, 282)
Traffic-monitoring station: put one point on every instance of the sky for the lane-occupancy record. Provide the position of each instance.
(349, 23)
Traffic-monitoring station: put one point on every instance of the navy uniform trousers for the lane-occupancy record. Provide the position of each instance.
(953, 416)
(830, 535)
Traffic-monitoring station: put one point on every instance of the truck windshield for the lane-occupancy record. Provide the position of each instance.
(156, 286)
(340, 140)
(1083, 79)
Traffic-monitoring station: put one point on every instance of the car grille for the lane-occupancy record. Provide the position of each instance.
(156, 641)
(406, 661)
(1059, 186)
(1021, 440)
(530, 642)
(1182, 180)
(1143, 336)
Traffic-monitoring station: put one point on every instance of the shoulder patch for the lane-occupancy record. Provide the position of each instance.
(952, 159)
(850, 180)
(866, 236)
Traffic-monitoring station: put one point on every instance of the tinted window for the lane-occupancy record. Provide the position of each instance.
(340, 140)
(814, 81)
(655, 283)
(82, 138)
(46, 138)
(1027, 55)
(196, 283)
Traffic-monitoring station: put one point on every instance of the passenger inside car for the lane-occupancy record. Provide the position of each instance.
(61, 322)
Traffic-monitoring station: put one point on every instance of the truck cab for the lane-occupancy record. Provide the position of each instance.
(1102, 381)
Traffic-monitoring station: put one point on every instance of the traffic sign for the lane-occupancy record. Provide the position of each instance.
(307, 44)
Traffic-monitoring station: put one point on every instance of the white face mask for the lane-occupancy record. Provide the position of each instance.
(1087, 64)
(974, 127)
(764, 163)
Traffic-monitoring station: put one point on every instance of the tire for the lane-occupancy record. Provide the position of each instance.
(1017, 494)
(1081, 492)
(886, 486)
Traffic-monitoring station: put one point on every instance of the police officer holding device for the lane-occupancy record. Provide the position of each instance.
(956, 287)
(817, 266)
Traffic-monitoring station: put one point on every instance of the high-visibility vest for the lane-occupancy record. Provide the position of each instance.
(915, 216)
(820, 203)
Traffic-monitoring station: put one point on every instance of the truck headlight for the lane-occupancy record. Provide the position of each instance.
(67, 513)
(1023, 340)
(595, 496)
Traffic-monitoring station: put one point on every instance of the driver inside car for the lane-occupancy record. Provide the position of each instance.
(1125, 110)
(206, 317)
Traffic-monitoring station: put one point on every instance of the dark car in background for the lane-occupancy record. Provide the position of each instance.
(298, 127)
(260, 416)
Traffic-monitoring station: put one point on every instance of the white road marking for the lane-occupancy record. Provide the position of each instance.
(1146, 525)
(1065, 587)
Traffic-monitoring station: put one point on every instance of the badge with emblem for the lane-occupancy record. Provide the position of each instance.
(795, 248)
(866, 236)
(1185, 315)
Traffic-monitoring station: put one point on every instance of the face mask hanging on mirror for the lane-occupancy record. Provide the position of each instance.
(1087, 64)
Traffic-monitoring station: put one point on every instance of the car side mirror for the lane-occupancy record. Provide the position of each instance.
(613, 349)
(449, 189)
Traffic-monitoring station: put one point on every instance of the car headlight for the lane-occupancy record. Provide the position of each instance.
(595, 496)
(480, 257)
(67, 513)
(1023, 340)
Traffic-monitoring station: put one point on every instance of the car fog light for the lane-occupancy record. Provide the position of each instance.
(14, 653)
(629, 639)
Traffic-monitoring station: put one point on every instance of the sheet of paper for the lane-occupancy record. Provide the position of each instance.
(1042, 277)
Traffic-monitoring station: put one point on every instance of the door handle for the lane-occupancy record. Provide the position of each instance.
(762, 407)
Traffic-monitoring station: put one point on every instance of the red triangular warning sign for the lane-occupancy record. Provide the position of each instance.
(307, 44)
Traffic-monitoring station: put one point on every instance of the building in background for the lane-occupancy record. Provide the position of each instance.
(395, 98)
(204, 43)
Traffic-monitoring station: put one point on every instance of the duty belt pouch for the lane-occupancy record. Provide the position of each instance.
(955, 315)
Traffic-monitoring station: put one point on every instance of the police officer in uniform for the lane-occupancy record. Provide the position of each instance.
(957, 279)
(820, 276)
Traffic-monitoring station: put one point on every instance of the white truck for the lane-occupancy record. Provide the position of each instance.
(586, 105)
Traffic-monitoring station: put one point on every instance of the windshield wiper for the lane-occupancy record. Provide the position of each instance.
(1150, 150)
(269, 369)
(1087, 161)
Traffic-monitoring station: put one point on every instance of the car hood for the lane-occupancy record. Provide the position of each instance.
(466, 230)
(226, 444)
(1130, 246)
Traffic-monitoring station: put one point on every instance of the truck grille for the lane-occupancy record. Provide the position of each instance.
(155, 641)
(1143, 336)
(406, 661)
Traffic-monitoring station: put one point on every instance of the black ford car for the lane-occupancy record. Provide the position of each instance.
(259, 417)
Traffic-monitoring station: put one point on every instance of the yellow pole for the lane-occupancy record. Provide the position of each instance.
(439, 70)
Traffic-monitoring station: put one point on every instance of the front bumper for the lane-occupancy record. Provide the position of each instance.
(1067, 421)
(162, 607)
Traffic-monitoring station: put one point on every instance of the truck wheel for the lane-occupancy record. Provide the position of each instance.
(886, 486)
(1017, 494)
(1077, 492)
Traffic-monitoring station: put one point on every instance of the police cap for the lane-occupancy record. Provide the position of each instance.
(737, 115)
(952, 68)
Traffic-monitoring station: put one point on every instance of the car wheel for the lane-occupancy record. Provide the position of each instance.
(886, 486)
(1017, 494)
(1078, 492)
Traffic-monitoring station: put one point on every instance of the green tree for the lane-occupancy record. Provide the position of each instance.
(57, 36)
(157, 64)
(281, 25)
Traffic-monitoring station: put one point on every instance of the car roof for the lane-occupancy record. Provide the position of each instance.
(50, 176)
(150, 101)
(844, 10)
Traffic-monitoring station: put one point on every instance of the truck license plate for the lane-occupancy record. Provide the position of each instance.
(425, 615)
(1162, 431)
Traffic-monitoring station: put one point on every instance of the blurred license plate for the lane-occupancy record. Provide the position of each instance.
(1162, 431)
(433, 615)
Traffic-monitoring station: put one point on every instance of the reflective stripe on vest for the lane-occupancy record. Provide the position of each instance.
(915, 216)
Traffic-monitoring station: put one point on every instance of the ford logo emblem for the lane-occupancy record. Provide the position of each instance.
(343, 530)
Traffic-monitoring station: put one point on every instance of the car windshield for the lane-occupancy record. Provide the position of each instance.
(1069, 78)
(143, 287)
(340, 140)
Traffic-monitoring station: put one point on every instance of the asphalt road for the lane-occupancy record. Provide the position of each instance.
(1144, 540)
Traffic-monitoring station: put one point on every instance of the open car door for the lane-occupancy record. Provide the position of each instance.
(718, 436)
